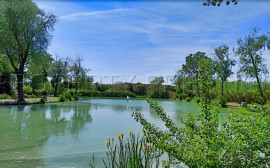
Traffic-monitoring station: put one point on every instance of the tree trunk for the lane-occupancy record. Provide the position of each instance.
(257, 76)
(259, 85)
(55, 89)
(20, 87)
(76, 88)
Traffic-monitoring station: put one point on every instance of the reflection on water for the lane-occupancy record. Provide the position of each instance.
(67, 134)
(25, 129)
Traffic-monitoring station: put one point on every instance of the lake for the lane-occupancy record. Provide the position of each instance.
(68, 134)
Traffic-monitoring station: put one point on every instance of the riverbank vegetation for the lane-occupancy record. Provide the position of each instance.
(204, 142)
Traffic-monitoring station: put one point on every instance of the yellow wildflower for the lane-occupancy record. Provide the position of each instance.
(130, 132)
(142, 146)
(120, 134)
(107, 142)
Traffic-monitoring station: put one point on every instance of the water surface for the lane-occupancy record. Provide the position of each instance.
(67, 134)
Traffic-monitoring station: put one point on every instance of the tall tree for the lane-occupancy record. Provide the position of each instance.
(78, 72)
(223, 64)
(158, 81)
(249, 51)
(24, 30)
(190, 69)
(57, 71)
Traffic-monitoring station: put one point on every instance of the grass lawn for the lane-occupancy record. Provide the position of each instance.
(32, 100)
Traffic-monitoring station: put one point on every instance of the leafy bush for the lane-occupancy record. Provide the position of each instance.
(27, 89)
(44, 92)
(67, 95)
(42, 100)
(196, 99)
(221, 100)
(4, 96)
(76, 97)
(132, 153)
(62, 98)
(182, 96)
(188, 99)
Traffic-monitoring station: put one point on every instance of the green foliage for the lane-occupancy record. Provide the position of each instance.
(221, 100)
(91, 93)
(67, 95)
(188, 99)
(190, 68)
(133, 152)
(44, 92)
(196, 99)
(4, 96)
(76, 97)
(223, 64)
(244, 142)
(62, 98)
(109, 93)
(42, 100)
(24, 31)
(182, 96)
(27, 89)
(249, 52)
(157, 94)
(139, 89)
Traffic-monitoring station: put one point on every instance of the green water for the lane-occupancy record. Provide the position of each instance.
(67, 134)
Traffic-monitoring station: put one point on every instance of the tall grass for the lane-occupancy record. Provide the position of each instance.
(133, 152)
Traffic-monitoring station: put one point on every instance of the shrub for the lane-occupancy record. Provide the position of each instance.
(42, 100)
(221, 100)
(188, 99)
(182, 96)
(62, 98)
(67, 95)
(4, 96)
(76, 97)
(196, 99)
(27, 89)
(44, 92)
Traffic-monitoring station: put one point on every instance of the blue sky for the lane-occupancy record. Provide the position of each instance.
(147, 39)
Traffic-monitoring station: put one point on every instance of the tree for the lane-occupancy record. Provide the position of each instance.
(38, 70)
(190, 69)
(78, 72)
(24, 30)
(57, 71)
(249, 52)
(218, 2)
(158, 81)
(178, 79)
(223, 64)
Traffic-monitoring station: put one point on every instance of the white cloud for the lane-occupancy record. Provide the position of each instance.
(93, 13)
